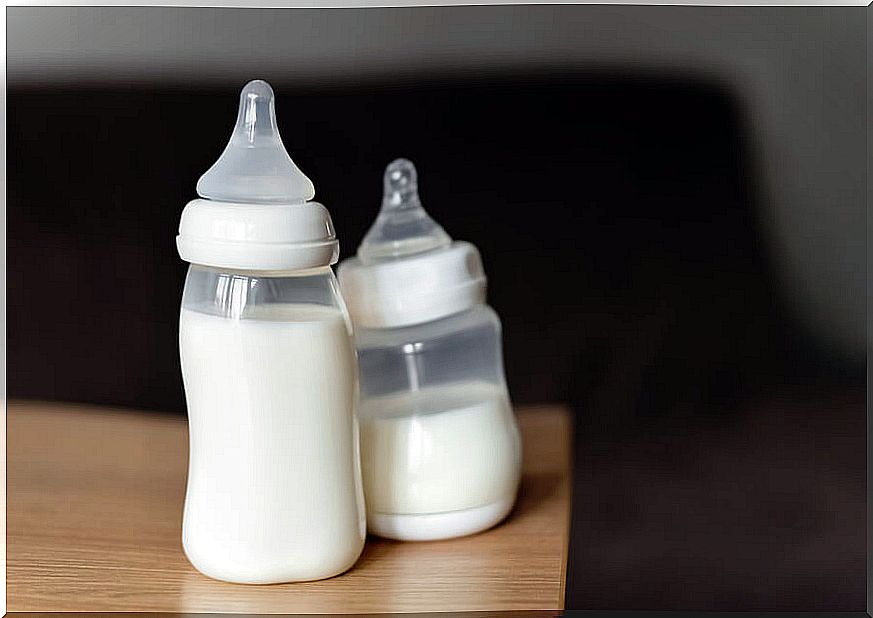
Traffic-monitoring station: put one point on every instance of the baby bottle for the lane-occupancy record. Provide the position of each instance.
(440, 449)
(274, 482)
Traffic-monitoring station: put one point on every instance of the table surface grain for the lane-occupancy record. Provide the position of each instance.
(94, 516)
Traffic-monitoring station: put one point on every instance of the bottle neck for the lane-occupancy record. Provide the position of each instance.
(316, 271)
(241, 294)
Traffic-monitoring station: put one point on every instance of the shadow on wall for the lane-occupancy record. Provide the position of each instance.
(617, 218)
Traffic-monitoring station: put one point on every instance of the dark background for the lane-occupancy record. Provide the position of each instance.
(636, 234)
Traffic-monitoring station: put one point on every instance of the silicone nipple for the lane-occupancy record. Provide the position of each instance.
(402, 227)
(254, 167)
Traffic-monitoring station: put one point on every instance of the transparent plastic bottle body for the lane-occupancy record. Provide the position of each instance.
(274, 483)
(440, 445)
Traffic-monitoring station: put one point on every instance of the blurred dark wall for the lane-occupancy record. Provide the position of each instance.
(698, 169)
(618, 219)
(604, 209)
(796, 71)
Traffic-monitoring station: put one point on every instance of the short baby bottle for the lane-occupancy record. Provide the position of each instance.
(440, 449)
(274, 482)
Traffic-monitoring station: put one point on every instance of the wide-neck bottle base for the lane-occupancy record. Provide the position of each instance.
(230, 574)
(439, 526)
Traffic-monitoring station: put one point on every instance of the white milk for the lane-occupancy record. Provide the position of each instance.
(439, 449)
(273, 489)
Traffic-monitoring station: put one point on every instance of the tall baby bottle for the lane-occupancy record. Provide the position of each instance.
(274, 482)
(440, 449)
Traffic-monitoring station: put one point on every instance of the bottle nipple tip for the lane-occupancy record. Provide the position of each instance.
(400, 174)
(256, 120)
(401, 184)
(257, 87)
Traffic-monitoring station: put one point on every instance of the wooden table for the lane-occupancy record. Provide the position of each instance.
(94, 516)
